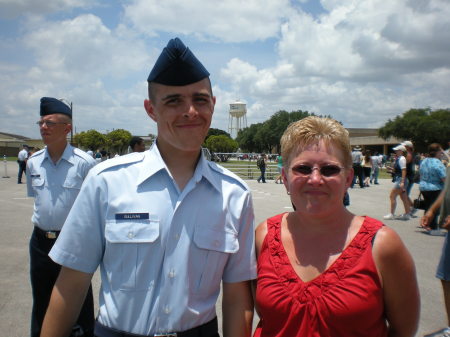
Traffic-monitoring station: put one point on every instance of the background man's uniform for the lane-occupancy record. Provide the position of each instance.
(54, 187)
(22, 161)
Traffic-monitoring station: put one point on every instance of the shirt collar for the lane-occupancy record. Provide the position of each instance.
(153, 163)
(67, 155)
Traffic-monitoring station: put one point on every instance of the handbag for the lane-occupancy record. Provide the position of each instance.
(419, 203)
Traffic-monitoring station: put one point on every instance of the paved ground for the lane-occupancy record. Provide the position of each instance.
(269, 199)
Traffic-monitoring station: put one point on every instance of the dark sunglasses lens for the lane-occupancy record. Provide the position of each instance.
(304, 169)
(330, 170)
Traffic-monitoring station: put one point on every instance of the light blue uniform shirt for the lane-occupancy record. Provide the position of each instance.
(162, 252)
(55, 186)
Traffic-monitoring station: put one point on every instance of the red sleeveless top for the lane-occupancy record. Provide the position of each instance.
(346, 300)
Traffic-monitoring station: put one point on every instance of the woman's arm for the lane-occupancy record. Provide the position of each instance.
(399, 282)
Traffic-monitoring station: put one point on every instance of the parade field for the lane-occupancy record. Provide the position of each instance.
(269, 199)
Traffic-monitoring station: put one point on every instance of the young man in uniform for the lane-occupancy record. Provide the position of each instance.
(54, 178)
(165, 225)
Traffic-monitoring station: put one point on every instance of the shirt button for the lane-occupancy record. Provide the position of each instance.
(130, 235)
(167, 310)
(171, 274)
(216, 243)
(177, 236)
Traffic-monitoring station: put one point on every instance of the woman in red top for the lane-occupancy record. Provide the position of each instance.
(323, 271)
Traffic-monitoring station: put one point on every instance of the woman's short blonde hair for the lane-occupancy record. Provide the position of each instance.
(311, 130)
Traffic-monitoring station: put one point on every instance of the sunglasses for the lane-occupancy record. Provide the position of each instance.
(325, 171)
(48, 123)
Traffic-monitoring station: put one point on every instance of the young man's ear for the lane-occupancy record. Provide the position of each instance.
(149, 108)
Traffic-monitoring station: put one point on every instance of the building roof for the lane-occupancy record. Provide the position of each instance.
(11, 136)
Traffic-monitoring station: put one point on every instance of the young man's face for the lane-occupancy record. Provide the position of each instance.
(183, 114)
(54, 128)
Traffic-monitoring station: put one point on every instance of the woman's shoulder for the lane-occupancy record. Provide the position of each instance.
(263, 228)
(387, 243)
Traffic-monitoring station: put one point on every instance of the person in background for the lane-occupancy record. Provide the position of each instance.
(22, 161)
(357, 169)
(377, 162)
(261, 162)
(54, 178)
(432, 177)
(410, 171)
(166, 226)
(443, 269)
(137, 144)
(323, 271)
(400, 185)
(279, 179)
(367, 167)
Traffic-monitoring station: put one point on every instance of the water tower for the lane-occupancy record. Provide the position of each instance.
(238, 118)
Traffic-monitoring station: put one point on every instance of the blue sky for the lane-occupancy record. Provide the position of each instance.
(361, 62)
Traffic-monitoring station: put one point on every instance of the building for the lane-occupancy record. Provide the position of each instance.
(11, 144)
(368, 139)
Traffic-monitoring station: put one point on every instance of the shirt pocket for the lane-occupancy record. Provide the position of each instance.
(128, 247)
(37, 181)
(73, 182)
(213, 246)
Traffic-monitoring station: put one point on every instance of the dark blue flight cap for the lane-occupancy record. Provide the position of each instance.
(50, 105)
(177, 66)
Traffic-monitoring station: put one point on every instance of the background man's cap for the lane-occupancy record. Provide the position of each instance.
(177, 66)
(407, 143)
(357, 147)
(50, 105)
(400, 147)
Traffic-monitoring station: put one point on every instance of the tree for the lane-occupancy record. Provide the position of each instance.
(421, 126)
(91, 139)
(216, 132)
(118, 140)
(221, 143)
(245, 138)
(266, 136)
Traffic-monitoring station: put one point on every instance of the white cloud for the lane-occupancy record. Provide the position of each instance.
(362, 62)
(227, 21)
(79, 59)
(359, 61)
(13, 8)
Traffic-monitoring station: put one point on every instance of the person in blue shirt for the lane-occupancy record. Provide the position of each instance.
(166, 226)
(432, 178)
(54, 178)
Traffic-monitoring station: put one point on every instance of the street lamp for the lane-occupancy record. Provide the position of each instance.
(71, 112)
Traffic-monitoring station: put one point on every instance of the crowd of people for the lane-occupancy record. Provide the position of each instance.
(164, 258)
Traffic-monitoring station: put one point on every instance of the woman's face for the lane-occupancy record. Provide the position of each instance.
(315, 192)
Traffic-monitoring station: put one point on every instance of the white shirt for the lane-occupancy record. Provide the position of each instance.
(55, 186)
(162, 252)
(23, 155)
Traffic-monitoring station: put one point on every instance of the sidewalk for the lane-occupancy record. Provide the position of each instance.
(269, 199)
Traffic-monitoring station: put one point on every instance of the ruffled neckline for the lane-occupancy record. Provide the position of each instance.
(329, 277)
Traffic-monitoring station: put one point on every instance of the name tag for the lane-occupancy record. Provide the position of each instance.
(132, 216)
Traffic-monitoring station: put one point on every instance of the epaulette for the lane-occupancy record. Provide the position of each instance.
(82, 154)
(226, 172)
(38, 153)
(131, 158)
